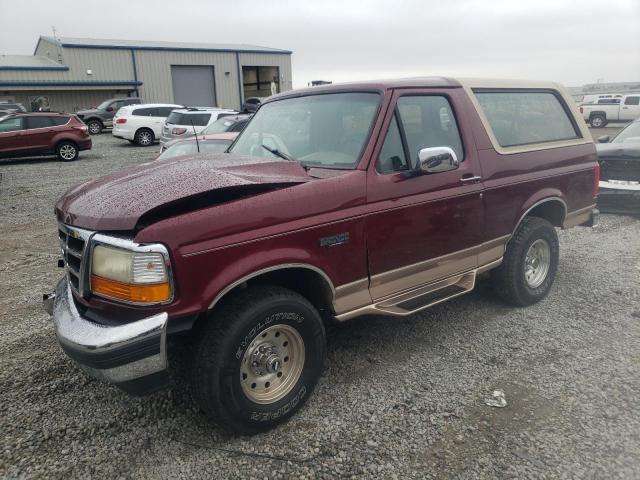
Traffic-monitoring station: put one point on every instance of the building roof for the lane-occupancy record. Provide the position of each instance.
(29, 62)
(106, 43)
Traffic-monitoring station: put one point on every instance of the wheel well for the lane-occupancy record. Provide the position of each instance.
(552, 211)
(91, 119)
(308, 283)
(65, 140)
(144, 128)
(598, 114)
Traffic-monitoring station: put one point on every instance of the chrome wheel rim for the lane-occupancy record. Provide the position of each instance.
(272, 364)
(94, 128)
(68, 152)
(145, 138)
(537, 262)
(597, 121)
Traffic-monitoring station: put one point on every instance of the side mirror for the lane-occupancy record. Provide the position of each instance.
(109, 109)
(604, 139)
(437, 160)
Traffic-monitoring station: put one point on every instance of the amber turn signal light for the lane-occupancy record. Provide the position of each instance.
(138, 293)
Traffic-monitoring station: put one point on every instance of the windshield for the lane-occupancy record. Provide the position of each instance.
(190, 147)
(327, 130)
(219, 126)
(631, 134)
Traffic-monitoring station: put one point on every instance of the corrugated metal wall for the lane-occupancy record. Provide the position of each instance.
(64, 101)
(153, 69)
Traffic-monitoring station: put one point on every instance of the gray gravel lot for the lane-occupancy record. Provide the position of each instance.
(400, 398)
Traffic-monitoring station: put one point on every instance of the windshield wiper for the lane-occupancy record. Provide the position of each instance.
(278, 153)
(284, 156)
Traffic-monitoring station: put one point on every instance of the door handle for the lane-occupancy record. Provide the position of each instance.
(471, 179)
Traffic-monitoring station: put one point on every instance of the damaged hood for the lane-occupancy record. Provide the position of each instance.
(119, 200)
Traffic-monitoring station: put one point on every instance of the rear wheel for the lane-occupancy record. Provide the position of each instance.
(258, 359)
(94, 127)
(598, 121)
(67, 151)
(144, 137)
(530, 263)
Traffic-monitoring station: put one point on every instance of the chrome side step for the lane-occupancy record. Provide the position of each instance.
(416, 299)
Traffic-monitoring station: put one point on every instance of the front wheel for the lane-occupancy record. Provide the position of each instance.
(258, 359)
(530, 263)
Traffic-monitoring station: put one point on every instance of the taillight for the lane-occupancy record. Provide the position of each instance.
(121, 120)
(178, 131)
(596, 180)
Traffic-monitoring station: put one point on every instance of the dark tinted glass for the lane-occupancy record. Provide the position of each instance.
(198, 119)
(142, 112)
(632, 101)
(38, 122)
(57, 121)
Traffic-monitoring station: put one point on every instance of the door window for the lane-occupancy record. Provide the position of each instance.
(632, 101)
(392, 156)
(38, 122)
(428, 121)
(11, 125)
(164, 112)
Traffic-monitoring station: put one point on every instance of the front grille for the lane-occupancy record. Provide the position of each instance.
(73, 242)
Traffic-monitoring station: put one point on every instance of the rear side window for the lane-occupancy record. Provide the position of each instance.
(632, 101)
(526, 117)
(163, 112)
(57, 121)
(198, 119)
(142, 112)
(38, 122)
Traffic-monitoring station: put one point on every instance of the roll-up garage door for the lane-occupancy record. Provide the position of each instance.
(193, 85)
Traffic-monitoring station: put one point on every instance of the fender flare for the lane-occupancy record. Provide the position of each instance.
(273, 268)
(554, 198)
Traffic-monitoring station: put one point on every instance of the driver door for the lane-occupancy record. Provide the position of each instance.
(423, 227)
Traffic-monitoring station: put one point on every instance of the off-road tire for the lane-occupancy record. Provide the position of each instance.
(221, 345)
(598, 121)
(509, 279)
(144, 137)
(67, 151)
(95, 127)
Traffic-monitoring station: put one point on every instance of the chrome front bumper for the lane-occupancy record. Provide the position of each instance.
(132, 356)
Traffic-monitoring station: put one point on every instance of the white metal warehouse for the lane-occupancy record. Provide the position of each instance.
(67, 74)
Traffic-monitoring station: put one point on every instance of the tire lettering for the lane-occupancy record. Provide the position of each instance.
(291, 404)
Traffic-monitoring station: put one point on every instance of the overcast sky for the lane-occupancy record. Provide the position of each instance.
(570, 41)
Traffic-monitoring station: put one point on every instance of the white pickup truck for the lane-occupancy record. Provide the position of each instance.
(611, 110)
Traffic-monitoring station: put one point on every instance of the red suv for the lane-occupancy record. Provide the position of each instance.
(33, 134)
(337, 201)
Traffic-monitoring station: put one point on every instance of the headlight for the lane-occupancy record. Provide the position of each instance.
(137, 277)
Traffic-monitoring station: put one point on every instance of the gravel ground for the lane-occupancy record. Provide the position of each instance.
(399, 398)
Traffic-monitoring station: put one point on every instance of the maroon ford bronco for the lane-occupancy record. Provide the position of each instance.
(336, 201)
